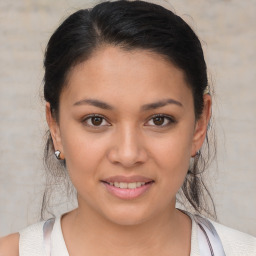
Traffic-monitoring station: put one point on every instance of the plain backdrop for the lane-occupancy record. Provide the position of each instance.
(227, 31)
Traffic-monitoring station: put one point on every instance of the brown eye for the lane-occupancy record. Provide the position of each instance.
(95, 121)
(158, 120)
(161, 120)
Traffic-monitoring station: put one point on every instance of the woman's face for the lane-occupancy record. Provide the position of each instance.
(125, 145)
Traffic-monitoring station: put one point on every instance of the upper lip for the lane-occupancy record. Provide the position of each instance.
(127, 179)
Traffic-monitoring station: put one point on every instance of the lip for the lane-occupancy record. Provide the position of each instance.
(127, 179)
(125, 193)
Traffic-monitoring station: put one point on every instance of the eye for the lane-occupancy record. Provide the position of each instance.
(95, 120)
(162, 120)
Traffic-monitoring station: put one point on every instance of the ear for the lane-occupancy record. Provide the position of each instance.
(201, 125)
(54, 129)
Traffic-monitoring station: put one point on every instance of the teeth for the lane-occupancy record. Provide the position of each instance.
(116, 184)
(132, 185)
(139, 184)
(123, 185)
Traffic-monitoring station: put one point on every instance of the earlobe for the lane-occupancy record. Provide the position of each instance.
(202, 125)
(54, 129)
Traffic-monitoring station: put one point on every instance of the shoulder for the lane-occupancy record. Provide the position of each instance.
(31, 239)
(28, 241)
(9, 245)
(234, 241)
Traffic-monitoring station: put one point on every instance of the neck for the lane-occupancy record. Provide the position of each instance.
(169, 231)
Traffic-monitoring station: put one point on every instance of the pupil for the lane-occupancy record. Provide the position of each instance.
(158, 120)
(96, 120)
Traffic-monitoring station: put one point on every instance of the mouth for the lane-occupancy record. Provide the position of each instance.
(127, 187)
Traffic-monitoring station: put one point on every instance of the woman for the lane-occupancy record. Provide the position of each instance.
(128, 109)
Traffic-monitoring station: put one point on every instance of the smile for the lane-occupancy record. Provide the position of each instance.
(131, 185)
(127, 188)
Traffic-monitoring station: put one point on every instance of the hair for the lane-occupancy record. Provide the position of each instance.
(129, 25)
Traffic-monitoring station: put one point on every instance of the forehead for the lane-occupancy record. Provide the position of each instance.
(113, 73)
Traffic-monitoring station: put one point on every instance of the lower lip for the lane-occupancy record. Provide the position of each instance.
(126, 193)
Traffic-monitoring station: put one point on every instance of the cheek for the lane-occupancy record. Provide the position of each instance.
(172, 155)
(174, 149)
(83, 153)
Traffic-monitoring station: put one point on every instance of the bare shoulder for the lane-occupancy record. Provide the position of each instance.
(9, 245)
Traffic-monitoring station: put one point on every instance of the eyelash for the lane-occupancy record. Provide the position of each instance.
(170, 119)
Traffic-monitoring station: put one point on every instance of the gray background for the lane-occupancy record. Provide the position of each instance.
(227, 30)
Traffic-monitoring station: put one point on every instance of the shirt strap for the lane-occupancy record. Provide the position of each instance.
(208, 238)
(47, 231)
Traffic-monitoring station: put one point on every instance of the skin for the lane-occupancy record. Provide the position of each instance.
(9, 245)
(128, 141)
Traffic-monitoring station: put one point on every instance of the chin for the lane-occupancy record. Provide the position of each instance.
(128, 216)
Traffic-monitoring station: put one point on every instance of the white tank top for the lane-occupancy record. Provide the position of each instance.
(46, 239)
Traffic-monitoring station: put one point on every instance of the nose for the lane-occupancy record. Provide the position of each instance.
(127, 148)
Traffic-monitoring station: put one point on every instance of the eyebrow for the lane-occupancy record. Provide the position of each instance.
(146, 107)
